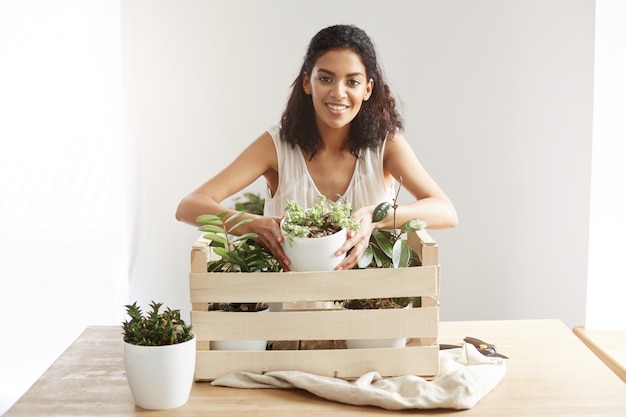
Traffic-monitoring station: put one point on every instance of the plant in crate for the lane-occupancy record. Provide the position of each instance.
(163, 338)
(251, 203)
(313, 235)
(235, 253)
(389, 249)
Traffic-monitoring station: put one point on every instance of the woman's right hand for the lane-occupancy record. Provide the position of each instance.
(268, 233)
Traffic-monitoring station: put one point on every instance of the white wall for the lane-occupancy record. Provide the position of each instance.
(606, 287)
(498, 103)
(63, 168)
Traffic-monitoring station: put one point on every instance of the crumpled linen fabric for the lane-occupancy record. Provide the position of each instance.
(465, 377)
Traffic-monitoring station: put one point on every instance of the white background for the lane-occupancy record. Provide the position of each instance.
(111, 112)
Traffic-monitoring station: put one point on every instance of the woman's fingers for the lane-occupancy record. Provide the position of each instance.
(269, 235)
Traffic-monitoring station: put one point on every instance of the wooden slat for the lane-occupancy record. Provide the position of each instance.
(428, 301)
(199, 256)
(312, 286)
(317, 325)
(425, 247)
(340, 363)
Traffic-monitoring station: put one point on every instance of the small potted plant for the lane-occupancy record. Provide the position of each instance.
(236, 254)
(159, 357)
(387, 249)
(313, 235)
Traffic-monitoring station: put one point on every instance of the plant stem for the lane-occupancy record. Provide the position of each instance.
(395, 206)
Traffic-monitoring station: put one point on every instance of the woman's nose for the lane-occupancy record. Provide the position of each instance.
(338, 91)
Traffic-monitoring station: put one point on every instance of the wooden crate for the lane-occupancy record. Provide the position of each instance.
(420, 325)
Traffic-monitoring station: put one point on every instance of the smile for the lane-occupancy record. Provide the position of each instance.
(336, 107)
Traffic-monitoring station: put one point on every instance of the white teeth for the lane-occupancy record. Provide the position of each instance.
(335, 107)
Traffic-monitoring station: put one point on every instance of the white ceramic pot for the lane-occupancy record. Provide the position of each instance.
(160, 377)
(250, 345)
(315, 254)
(377, 343)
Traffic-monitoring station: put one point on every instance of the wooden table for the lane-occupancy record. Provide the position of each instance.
(609, 346)
(550, 373)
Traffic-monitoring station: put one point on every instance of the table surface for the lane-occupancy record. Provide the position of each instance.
(609, 346)
(550, 373)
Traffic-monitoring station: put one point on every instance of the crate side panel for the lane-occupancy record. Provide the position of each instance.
(332, 285)
(340, 363)
(317, 325)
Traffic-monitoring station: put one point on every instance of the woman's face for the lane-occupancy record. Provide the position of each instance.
(338, 86)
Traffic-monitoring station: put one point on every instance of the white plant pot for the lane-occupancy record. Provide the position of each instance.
(250, 345)
(377, 343)
(315, 254)
(160, 377)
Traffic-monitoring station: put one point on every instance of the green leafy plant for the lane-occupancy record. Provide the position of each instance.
(324, 218)
(389, 249)
(236, 253)
(252, 203)
(155, 328)
(382, 303)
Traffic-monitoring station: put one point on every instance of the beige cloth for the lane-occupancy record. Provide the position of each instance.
(465, 377)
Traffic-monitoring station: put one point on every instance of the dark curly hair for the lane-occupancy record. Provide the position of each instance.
(377, 117)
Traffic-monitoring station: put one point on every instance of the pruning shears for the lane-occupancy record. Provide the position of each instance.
(483, 347)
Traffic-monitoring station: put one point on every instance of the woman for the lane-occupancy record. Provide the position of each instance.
(340, 135)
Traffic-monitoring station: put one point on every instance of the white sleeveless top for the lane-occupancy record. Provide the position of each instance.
(367, 186)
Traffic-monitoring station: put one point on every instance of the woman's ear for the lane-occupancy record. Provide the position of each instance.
(306, 83)
(368, 90)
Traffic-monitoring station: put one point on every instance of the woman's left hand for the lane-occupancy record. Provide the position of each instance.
(357, 241)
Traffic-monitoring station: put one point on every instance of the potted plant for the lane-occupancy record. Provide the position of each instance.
(313, 235)
(387, 249)
(236, 254)
(251, 203)
(159, 357)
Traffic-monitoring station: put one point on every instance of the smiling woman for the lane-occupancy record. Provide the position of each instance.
(340, 137)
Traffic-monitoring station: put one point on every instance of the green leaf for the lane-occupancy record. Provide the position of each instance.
(215, 238)
(241, 223)
(211, 228)
(381, 211)
(244, 237)
(215, 266)
(413, 226)
(208, 219)
(401, 254)
(234, 216)
(381, 258)
(220, 252)
(383, 240)
(366, 258)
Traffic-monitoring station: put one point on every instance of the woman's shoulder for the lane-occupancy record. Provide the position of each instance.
(395, 141)
(274, 132)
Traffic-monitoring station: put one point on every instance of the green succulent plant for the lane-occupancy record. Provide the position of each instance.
(324, 218)
(155, 328)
